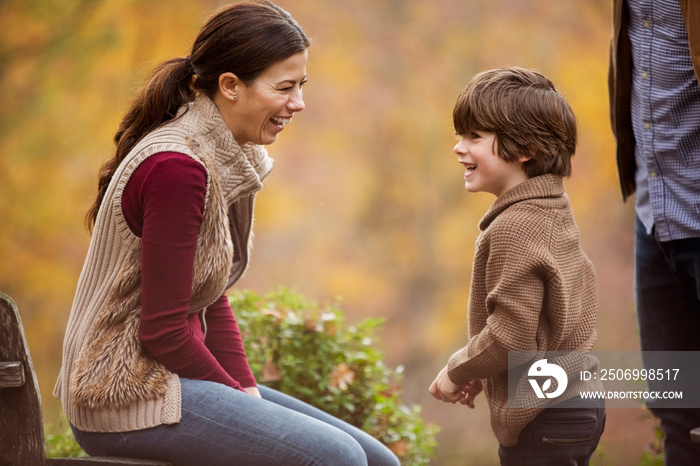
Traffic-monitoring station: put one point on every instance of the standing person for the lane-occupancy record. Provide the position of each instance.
(533, 289)
(655, 115)
(153, 362)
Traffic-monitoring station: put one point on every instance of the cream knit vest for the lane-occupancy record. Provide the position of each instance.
(108, 383)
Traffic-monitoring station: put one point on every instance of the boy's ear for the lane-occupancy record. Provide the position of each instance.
(525, 158)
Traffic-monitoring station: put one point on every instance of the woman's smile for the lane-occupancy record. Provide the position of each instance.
(261, 109)
(280, 122)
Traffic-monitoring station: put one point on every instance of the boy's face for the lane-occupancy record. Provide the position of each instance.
(485, 170)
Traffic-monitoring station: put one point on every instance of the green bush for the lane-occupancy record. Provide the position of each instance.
(653, 454)
(302, 349)
(60, 442)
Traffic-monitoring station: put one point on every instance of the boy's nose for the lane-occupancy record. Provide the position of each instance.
(460, 148)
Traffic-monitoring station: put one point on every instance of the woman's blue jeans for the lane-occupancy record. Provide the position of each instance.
(224, 426)
(667, 283)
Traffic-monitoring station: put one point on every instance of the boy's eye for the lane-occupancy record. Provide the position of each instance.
(475, 135)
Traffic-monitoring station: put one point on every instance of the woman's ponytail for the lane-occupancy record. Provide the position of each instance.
(164, 93)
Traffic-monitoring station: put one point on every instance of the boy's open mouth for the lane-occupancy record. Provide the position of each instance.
(469, 167)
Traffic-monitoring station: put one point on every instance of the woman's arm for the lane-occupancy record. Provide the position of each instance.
(164, 204)
(224, 341)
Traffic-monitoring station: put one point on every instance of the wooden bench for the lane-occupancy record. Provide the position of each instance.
(21, 424)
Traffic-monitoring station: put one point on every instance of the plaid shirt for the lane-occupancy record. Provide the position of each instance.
(665, 107)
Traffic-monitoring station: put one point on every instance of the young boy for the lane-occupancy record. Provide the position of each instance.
(533, 288)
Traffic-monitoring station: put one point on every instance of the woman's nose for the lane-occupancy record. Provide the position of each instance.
(296, 101)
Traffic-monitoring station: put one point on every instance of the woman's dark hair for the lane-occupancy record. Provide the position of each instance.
(529, 116)
(244, 39)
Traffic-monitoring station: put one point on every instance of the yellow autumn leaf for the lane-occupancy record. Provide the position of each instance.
(272, 312)
(270, 372)
(342, 376)
(311, 325)
(398, 447)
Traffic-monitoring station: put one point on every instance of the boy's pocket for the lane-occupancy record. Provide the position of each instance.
(560, 439)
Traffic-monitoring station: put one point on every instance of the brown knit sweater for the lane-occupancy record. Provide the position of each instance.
(533, 289)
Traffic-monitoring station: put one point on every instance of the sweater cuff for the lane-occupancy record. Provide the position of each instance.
(456, 370)
(246, 382)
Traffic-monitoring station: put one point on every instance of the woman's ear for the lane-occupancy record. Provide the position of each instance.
(229, 85)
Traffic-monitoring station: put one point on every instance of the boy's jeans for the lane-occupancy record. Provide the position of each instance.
(223, 426)
(557, 436)
(668, 309)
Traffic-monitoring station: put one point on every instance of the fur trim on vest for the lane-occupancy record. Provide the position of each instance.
(112, 369)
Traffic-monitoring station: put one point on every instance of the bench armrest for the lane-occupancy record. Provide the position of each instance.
(11, 374)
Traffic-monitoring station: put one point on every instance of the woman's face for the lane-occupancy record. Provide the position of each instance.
(259, 111)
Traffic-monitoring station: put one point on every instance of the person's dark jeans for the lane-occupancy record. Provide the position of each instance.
(667, 283)
(557, 436)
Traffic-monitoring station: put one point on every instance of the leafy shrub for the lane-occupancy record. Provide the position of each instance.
(653, 454)
(302, 349)
(60, 442)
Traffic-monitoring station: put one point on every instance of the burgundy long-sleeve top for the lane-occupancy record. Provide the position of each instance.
(163, 204)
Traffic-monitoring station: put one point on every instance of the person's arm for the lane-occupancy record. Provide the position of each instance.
(164, 204)
(516, 275)
(224, 341)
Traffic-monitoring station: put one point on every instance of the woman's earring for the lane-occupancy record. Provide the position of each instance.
(235, 97)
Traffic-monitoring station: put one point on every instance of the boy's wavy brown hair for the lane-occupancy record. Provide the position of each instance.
(528, 115)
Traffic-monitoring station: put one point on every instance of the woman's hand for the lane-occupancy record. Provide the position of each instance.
(443, 389)
(253, 391)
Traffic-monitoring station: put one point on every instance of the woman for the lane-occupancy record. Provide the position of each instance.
(153, 362)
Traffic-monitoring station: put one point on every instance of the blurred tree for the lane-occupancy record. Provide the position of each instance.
(68, 70)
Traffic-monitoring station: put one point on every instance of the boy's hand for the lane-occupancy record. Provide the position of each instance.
(443, 389)
(470, 392)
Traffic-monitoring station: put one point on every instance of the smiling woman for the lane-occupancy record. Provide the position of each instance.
(257, 112)
(153, 361)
